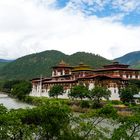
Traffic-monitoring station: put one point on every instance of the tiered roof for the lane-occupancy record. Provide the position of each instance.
(82, 67)
(62, 64)
(116, 66)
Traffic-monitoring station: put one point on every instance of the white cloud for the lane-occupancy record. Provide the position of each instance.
(90, 6)
(28, 27)
(127, 5)
(87, 6)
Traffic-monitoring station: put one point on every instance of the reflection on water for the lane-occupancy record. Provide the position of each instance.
(11, 103)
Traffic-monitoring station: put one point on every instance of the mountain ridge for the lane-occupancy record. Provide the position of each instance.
(6, 60)
(132, 58)
(34, 65)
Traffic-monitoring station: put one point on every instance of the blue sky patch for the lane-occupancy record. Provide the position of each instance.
(133, 19)
(61, 3)
(107, 9)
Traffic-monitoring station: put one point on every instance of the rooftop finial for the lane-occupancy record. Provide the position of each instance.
(115, 62)
(62, 62)
(81, 63)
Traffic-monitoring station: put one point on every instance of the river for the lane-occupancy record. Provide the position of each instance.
(12, 103)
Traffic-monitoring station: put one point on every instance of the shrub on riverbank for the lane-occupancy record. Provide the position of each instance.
(21, 89)
(46, 122)
(38, 101)
(16, 88)
(6, 86)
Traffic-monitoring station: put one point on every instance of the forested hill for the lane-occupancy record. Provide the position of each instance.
(34, 65)
(132, 59)
(4, 62)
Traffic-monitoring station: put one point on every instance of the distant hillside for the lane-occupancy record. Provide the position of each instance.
(4, 62)
(132, 59)
(34, 65)
(136, 65)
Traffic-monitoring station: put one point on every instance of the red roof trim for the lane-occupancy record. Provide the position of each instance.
(61, 81)
(115, 68)
(101, 75)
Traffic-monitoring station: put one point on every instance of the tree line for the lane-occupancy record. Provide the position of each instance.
(98, 93)
(21, 88)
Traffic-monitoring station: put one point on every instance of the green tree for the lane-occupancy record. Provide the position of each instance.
(127, 93)
(79, 91)
(56, 90)
(129, 128)
(21, 90)
(135, 83)
(7, 85)
(3, 109)
(92, 125)
(98, 92)
(46, 122)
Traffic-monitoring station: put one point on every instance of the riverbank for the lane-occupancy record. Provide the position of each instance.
(82, 106)
(12, 103)
(77, 106)
(58, 115)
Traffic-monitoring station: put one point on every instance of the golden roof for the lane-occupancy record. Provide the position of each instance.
(82, 67)
(62, 64)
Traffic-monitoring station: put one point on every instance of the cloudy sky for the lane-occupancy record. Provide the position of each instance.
(110, 28)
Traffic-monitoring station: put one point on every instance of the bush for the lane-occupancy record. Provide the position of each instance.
(116, 102)
(21, 89)
(74, 102)
(84, 104)
(3, 109)
(6, 86)
(96, 105)
(46, 122)
(125, 103)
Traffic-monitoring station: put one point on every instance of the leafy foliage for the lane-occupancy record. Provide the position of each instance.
(108, 111)
(56, 90)
(53, 120)
(6, 86)
(3, 109)
(46, 122)
(33, 65)
(135, 83)
(127, 93)
(93, 124)
(84, 104)
(21, 89)
(129, 128)
(79, 91)
(97, 93)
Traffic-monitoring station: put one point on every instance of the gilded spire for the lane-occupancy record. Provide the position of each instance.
(62, 62)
